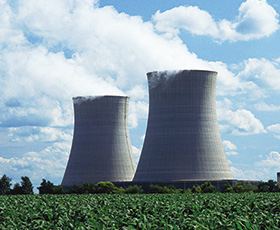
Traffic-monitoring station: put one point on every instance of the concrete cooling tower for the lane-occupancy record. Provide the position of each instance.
(101, 149)
(182, 139)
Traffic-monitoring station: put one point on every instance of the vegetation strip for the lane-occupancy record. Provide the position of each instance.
(141, 211)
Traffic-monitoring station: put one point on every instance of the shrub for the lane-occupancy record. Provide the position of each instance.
(239, 187)
(58, 189)
(155, 188)
(250, 188)
(188, 191)
(207, 187)
(228, 188)
(76, 189)
(135, 189)
(196, 189)
(106, 187)
(88, 188)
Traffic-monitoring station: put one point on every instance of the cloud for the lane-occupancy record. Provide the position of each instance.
(262, 106)
(48, 163)
(189, 18)
(263, 72)
(137, 92)
(136, 152)
(242, 121)
(231, 153)
(229, 147)
(39, 134)
(256, 19)
(241, 174)
(47, 81)
(138, 110)
(77, 49)
(272, 160)
(274, 128)
(9, 36)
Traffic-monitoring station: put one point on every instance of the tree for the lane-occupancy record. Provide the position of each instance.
(227, 188)
(196, 189)
(46, 187)
(88, 188)
(250, 188)
(155, 188)
(239, 187)
(76, 189)
(17, 189)
(58, 189)
(272, 186)
(263, 186)
(207, 187)
(134, 189)
(5, 185)
(26, 185)
(106, 187)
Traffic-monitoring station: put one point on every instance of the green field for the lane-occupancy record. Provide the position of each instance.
(143, 211)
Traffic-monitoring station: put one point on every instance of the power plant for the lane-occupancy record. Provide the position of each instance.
(182, 139)
(182, 142)
(101, 149)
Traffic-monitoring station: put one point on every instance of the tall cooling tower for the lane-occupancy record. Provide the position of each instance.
(101, 149)
(182, 139)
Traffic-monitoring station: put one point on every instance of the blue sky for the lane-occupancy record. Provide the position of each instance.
(51, 51)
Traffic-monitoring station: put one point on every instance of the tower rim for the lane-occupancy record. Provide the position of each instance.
(183, 70)
(90, 98)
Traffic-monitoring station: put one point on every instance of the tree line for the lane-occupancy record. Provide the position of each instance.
(47, 187)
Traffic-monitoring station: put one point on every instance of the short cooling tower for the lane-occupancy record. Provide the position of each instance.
(182, 139)
(101, 149)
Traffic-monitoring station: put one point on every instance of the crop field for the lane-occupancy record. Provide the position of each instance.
(143, 211)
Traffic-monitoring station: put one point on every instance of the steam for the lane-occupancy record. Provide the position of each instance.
(79, 100)
(157, 77)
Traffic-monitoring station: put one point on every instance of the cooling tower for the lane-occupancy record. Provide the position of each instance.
(182, 139)
(101, 149)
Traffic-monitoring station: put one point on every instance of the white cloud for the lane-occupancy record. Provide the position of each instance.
(8, 34)
(41, 134)
(228, 145)
(265, 107)
(110, 53)
(137, 110)
(136, 152)
(228, 83)
(48, 163)
(272, 160)
(189, 18)
(256, 19)
(231, 153)
(137, 92)
(274, 128)
(263, 72)
(243, 121)
(247, 174)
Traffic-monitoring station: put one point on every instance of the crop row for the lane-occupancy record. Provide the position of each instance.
(141, 211)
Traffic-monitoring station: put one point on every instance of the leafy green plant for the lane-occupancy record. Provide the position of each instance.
(141, 211)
